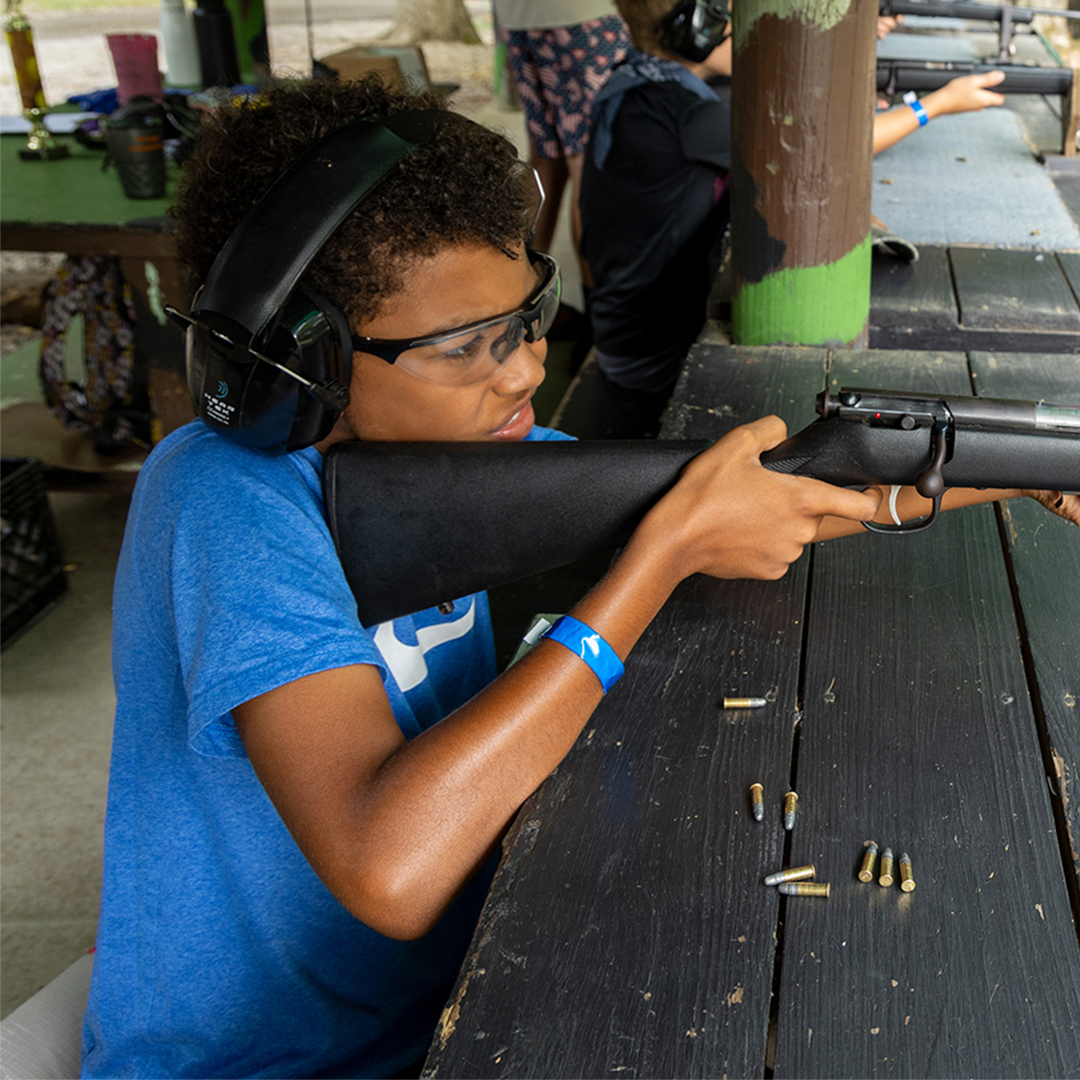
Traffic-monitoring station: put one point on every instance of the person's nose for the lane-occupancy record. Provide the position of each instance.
(524, 369)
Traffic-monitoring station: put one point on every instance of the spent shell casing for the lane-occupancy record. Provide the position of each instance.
(885, 877)
(804, 888)
(745, 703)
(757, 801)
(790, 799)
(796, 873)
(866, 871)
(907, 881)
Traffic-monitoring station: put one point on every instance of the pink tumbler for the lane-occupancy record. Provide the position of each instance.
(135, 58)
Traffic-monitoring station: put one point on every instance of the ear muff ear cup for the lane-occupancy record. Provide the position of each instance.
(268, 360)
(693, 28)
(264, 404)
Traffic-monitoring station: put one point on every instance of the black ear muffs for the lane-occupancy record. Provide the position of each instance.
(268, 359)
(693, 28)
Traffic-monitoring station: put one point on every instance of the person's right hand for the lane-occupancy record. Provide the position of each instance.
(969, 93)
(730, 517)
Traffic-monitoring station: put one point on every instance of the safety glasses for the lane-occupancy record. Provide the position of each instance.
(471, 354)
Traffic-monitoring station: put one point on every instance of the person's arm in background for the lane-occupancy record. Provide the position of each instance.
(969, 93)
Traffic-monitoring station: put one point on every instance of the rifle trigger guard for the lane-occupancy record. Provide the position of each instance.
(917, 525)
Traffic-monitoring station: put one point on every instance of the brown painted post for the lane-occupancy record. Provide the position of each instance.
(802, 129)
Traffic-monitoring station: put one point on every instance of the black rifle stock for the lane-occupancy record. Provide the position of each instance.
(416, 524)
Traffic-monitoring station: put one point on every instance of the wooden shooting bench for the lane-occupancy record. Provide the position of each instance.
(921, 692)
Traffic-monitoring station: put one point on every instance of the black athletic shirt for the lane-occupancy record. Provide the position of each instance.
(650, 218)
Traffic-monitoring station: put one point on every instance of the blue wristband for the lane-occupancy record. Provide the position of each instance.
(589, 646)
(917, 108)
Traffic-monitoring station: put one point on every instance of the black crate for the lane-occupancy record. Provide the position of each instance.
(31, 568)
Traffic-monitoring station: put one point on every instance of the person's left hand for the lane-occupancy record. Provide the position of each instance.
(886, 24)
(968, 93)
(1066, 506)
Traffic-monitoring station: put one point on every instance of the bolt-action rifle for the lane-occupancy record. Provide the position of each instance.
(899, 76)
(1008, 16)
(416, 524)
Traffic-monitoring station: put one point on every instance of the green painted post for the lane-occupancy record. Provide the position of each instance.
(802, 131)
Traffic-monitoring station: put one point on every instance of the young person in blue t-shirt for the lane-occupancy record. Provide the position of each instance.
(302, 810)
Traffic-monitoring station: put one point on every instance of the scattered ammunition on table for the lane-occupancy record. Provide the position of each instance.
(907, 882)
(804, 888)
(790, 799)
(757, 801)
(866, 871)
(796, 873)
(886, 878)
(744, 703)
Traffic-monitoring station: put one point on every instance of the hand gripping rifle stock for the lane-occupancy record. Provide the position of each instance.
(416, 524)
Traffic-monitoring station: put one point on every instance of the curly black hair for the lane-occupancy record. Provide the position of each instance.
(464, 185)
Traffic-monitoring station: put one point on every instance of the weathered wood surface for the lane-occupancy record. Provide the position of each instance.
(918, 733)
(627, 932)
(913, 294)
(977, 298)
(1069, 261)
(1013, 290)
(1050, 602)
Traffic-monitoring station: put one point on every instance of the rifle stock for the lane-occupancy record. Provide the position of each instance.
(416, 524)
(419, 523)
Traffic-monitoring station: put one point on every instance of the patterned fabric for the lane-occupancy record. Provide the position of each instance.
(558, 72)
(93, 287)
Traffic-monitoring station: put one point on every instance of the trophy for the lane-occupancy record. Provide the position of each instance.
(40, 145)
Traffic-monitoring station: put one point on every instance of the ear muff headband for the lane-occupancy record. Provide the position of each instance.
(257, 333)
(693, 28)
(280, 235)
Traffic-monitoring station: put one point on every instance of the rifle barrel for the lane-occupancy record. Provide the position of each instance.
(965, 9)
(903, 75)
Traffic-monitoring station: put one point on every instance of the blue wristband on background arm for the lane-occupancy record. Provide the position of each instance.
(917, 108)
(586, 644)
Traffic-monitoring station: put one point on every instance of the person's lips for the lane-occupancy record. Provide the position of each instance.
(517, 426)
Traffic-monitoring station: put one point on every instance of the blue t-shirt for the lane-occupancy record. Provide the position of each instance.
(220, 953)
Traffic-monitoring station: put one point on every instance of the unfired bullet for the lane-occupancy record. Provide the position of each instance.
(804, 888)
(796, 873)
(790, 799)
(744, 703)
(886, 878)
(866, 871)
(907, 881)
(757, 801)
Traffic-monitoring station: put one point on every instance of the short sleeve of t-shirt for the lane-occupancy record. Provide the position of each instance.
(705, 133)
(248, 589)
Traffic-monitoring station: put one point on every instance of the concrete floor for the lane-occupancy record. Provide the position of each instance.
(56, 708)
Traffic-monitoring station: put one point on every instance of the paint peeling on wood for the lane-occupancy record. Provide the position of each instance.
(822, 14)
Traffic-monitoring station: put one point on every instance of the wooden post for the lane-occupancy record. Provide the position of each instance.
(802, 130)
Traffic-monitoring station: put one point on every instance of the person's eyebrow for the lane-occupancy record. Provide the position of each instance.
(457, 325)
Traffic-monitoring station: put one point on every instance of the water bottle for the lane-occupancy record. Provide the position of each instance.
(178, 41)
(217, 44)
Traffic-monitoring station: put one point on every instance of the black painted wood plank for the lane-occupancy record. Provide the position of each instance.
(1069, 261)
(1050, 601)
(916, 295)
(963, 339)
(1013, 290)
(626, 932)
(918, 733)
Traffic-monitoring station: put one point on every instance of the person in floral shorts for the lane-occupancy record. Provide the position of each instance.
(561, 52)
